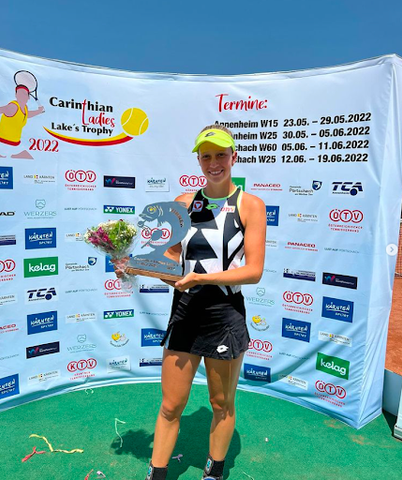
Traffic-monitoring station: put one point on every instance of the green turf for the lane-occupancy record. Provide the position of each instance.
(301, 445)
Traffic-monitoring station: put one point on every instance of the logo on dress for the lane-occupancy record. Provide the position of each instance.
(198, 205)
(222, 349)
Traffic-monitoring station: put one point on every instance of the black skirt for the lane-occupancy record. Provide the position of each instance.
(208, 323)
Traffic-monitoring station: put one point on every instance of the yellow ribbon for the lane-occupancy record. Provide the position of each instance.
(76, 450)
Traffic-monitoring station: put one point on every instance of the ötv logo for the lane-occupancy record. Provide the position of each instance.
(80, 176)
(41, 267)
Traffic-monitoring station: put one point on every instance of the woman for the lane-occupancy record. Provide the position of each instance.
(208, 316)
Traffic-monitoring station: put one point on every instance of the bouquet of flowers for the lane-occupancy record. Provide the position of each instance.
(114, 238)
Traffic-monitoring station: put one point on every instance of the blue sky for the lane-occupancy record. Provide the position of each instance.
(211, 37)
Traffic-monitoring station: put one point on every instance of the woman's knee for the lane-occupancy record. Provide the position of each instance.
(222, 407)
(171, 410)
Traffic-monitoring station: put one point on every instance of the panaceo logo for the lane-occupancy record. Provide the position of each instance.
(80, 176)
(193, 181)
(81, 365)
(346, 216)
(330, 389)
(260, 345)
(7, 266)
(113, 284)
(298, 298)
(155, 233)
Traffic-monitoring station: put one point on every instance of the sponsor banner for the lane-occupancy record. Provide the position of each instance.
(81, 345)
(40, 212)
(267, 187)
(157, 183)
(294, 381)
(335, 338)
(110, 181)
(296, 329)
(333, 365)
(259, 323)
(151, 337)
(7, 299)
(6, 178)
(7, 269)
(336, 280)
(81, 317)
(41, 267)
(7, 328)
(42, 322)
(272, 215)
(80, 180)
(259, 349)
(44, 294)
(337, 309)
(74, 237)
(304, 217)
(297, 302)
(7, 213)
(257, 373)
(119, 209)
(112, 314)
(7, 240)
(40, 238)
(9, 386)
(118, 363)
(39, 179)
(158, 288)
(119, 339)
(43, 377)
(41, 350)
(308, 247)
(328, 392)
(82, 369)
(351, 189)
(299, 274)
(346, 220)
(150, 362)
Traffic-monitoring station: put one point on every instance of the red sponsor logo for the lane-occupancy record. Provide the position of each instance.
(147, 233)
(346, 216)
(193, 181)
(113, 284)
(80, 176)
(6, 327)
(298, 298)
(330, 389)
(81, 365)
(260, 345)
(7, 265)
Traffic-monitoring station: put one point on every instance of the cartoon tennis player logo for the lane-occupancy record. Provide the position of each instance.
(14, 116)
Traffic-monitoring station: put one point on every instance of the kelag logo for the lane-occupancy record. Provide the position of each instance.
(40, 238)
(296, 329)
(45, 349)
(42, 322)
(151, 337)
(119, 209)
(9, 386)
(333, 365)
(41, 267)
(336, 280)
(6, 178)
(111, 314)
(272, 215)
(118, 182)
(257, 373)
(239, 182)
(337, 309)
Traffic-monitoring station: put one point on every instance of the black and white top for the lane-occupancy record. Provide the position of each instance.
(215, 241)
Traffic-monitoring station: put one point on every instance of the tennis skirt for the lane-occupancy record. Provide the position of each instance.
(209, 324)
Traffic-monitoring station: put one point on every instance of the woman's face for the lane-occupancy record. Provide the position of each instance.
(216, 162)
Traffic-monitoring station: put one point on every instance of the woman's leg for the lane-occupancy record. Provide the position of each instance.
(222, 376)
(178, 370)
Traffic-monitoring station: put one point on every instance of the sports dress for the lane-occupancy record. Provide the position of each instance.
(210, 320)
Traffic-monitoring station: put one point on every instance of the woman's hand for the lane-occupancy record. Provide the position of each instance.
(120, 266)
(190, 280)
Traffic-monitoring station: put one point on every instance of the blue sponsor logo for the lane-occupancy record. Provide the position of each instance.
(109, 265)
(6, 178)
(337, 309)
(337, 280)
(92, 261)
(154, 289)
(118, 182)
(9, 386)
(151, 337)
(299, 274)
(42, 322)
(40, 238)
(150, 362)
(41, 350)
(272, 215)
(296, 329)
(8, 240)
(257, 373)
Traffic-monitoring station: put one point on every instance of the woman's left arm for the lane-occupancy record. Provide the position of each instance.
(253, 216)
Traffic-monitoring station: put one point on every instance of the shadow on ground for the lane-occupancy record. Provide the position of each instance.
(192, 443)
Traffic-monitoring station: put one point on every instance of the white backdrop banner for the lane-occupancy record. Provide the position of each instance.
(321, 147)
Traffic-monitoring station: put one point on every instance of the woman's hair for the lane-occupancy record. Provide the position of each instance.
(216, 126)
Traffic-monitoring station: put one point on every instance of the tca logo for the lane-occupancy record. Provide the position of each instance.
(42, 293)
(346, 216)
(347, 187)
(330, 389)
(113, 284)
(298, 298)
(80, 176)
(193, 181)
(7, 266)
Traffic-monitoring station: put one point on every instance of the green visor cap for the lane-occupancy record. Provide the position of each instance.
(215, 136)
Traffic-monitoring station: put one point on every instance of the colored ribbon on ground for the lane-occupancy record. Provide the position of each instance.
(32, 454)
(178, 457)
(115, 427)
(76, 450)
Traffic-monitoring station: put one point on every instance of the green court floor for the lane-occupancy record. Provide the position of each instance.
(274, 439)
